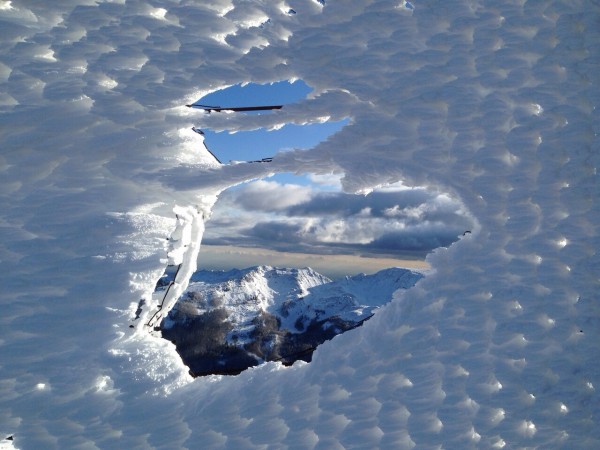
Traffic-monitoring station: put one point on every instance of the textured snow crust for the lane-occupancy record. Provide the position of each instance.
(494, 102)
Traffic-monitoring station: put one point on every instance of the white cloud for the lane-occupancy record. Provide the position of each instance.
(327, 181)
(265, 195)
(298, 218)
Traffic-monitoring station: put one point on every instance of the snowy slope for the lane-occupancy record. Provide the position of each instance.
(270, 314)
(245, 292)
(493, 101)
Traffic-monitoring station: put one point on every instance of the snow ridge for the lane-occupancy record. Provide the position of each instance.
(185, 245)
(282, 290)
(264, 308)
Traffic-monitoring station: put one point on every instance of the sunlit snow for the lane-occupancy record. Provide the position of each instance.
(493, 102)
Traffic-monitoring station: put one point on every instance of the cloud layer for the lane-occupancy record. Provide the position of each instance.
(393, 222)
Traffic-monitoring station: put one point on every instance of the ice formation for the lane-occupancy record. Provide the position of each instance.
(494, 102)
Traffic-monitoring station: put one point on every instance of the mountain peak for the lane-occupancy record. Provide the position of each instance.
(265, 313)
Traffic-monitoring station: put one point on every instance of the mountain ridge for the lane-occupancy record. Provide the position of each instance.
(227, 321)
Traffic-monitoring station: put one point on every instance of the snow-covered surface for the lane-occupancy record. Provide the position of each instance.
(243, 293)
(290, 295)
(494, 102)
(7, 443)
(184, 247)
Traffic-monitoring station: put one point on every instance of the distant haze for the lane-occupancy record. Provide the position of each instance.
(217, 257)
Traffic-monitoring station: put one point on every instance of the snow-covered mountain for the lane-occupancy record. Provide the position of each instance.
(226, 322)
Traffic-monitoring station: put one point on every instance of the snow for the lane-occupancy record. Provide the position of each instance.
(226, 322)
(302, 293)
(493, 102)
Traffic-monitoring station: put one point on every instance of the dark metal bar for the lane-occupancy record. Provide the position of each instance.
(164, 297)
(236, 109)
(264, 160)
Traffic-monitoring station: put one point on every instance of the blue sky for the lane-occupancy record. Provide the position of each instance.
(261, 143)
(253, 94)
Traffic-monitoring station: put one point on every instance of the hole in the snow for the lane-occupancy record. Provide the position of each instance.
(232, 317)
(253, 94)
(255, 298)
(262, 144)
(308, 220)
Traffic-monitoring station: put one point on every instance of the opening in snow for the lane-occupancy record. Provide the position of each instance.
(258, 296)
(261, 144)
(254, 94)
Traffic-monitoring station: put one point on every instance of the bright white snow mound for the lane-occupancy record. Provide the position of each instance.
(493, 101)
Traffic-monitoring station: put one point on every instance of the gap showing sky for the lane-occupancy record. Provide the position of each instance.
(262, 143)
(299, 215)
(393, 222)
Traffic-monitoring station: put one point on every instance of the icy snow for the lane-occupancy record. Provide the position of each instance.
(493, 102)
